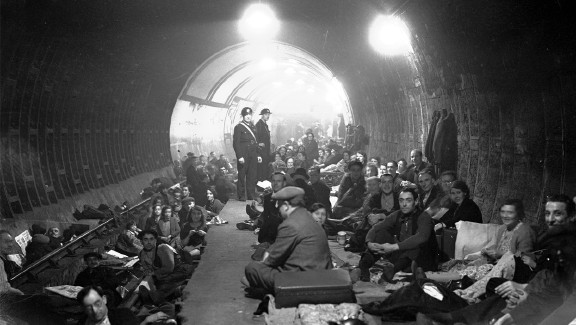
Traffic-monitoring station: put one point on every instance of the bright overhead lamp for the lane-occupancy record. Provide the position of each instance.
(259, 23)
(389, 35)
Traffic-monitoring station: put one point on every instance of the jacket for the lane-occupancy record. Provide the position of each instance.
(446, 143)
(468, 210)
(244, 142)
(301, 245)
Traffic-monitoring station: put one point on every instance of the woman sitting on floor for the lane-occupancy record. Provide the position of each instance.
(167, 228)
(193, 233)
(513, 241)
(213, 207)
(462, 208)
(150, 222)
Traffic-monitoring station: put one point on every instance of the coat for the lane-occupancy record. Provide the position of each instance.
(244, 142)
(468, 210)
(301, 245)
(446, 143)
(429, 148)
(263, 136)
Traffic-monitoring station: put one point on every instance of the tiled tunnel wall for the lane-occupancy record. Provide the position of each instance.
(514, 102)
(86, 104)
(71, 122)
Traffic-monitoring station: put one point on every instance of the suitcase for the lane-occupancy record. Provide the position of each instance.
(313, 287)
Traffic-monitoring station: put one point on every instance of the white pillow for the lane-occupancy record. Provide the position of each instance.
(472, 237)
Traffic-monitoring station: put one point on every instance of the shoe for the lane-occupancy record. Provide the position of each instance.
(263, 306)
(245, 226)
(387, 274)
(251, 213)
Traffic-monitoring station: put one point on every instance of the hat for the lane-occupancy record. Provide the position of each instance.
(188, 200)
(355, 163)
(373, 178)
(300, 172)
(265, 111)
(288, 193)
(246, 111)
(191, 155)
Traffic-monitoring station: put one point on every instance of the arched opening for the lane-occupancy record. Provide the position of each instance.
(294, 84)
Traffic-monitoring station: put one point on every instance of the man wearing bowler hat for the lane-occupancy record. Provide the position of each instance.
(301, 244)
(245, 145)
(263, 137)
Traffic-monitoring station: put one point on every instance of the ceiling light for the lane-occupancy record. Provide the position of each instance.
(259, 23)
(389, 35)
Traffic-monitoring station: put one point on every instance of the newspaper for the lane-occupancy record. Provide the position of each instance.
(264, 184)
(68, 291)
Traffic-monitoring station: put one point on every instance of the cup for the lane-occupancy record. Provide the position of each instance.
(375, 274)
(341, 238)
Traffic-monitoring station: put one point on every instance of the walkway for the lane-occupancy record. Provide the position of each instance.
(214, 294)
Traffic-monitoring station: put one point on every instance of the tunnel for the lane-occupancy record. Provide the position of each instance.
(100, 97)
(92, 92)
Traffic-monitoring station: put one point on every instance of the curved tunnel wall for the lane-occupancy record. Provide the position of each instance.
(88, 88)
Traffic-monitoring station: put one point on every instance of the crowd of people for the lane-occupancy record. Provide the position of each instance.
(168, 242)
(389, 209)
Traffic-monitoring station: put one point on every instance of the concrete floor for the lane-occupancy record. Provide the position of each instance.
(214, 294)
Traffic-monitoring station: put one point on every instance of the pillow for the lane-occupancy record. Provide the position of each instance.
(472, 237)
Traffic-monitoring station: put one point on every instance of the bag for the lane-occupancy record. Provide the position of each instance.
(313, 287)
(422, 296)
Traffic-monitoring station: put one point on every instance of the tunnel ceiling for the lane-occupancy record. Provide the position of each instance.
(88, 87)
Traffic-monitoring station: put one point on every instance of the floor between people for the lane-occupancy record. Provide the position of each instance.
(214, 294)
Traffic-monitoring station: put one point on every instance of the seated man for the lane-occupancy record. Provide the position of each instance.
(95, 305)
(321, 190)
(300, 179)
(428, 191)
(351, 191)
(100, 276)
(406, 237)
(349, 222)
(301, 244)
(386, 200)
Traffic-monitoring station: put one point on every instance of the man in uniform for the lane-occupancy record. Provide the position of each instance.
(246, 147)
(263, 137)
(301, 244)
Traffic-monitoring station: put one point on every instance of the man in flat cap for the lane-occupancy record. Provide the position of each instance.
(263, 136)
(245, 145)
(301, 244)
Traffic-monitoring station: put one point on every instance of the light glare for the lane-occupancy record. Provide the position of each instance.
(389, 35)
(259, 23)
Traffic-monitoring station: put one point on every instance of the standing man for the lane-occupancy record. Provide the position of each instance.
(263, 137)
(245, 145)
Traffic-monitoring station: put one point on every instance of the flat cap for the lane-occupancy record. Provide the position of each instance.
(288, 193)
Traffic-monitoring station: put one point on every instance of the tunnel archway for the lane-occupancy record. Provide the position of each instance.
(296, 85)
